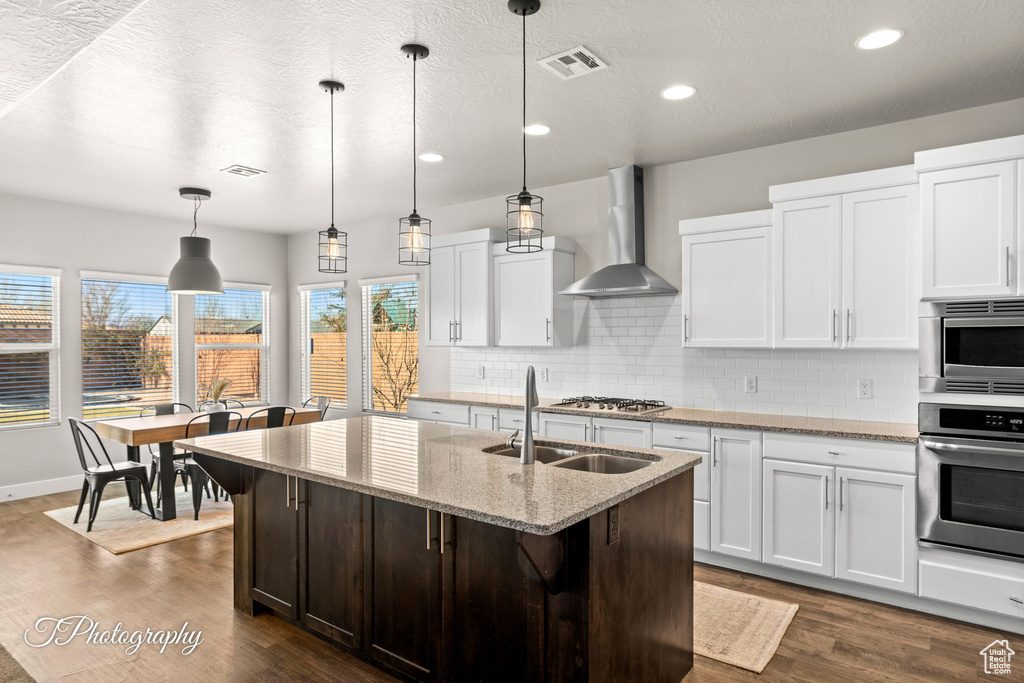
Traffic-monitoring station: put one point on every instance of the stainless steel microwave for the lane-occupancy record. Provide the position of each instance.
(972, 347)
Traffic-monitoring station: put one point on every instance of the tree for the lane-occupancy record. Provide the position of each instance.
(335, 318)
(113, 353)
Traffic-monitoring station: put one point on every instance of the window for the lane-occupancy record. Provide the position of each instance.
(128, 345)
(29, 346)
(390, 342)
(232, 343)
(324, 322)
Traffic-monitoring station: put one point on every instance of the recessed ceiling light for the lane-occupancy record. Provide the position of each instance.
(877, 39)
(431, 156)
(537, 129)
(678, 92)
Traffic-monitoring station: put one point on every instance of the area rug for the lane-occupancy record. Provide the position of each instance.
(10, 670)
(738, 628)
(120, 529)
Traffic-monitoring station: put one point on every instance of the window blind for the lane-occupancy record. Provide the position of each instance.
(324, 325)
(29, 349)
(390, 344)
(232, 344)
(128, 343)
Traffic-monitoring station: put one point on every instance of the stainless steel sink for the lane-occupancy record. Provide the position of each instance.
(545, 454)
(602, 463)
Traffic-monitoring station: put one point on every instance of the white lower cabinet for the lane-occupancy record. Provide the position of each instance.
(626, 433)
(979, 581)
(511, 419)
(702, 525)
(572, 427)
(799, 516)
(876, 530)
(481, 417)
(736, 493)
(441, 413)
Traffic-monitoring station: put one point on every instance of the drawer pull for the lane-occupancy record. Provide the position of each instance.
(833, 452)
(1017, 600)
(428, 528)
(435, 412)
(679, 438)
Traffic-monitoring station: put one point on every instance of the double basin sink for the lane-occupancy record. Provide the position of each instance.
(600, 463)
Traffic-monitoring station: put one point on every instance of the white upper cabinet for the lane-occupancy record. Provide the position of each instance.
(459, 289)
(881, 274)
(808, 262)
(971, 218)
(528, 310)
(727, 281)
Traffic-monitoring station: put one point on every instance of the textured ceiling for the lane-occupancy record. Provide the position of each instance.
(179, 89)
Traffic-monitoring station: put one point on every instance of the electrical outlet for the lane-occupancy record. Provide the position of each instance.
(480, 372)
(544, 375)
(864, 388)
(750, 384)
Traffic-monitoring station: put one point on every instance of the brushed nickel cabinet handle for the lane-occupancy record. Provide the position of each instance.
(428, 528)
(849, 331)
(841, 493)
(835, 315)
(451, 331)
(826, 492)
(296, 494)
(547, 329)
(686, 328)
(1009, 269)
(287, 491)
(442, 532)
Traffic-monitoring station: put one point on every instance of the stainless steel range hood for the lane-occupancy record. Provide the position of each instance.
(627, 275)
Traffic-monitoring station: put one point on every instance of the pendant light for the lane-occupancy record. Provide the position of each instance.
(333, 242)
(195, 273)
(414, 230)
(524, 211)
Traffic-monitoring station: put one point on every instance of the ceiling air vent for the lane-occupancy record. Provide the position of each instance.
(573, 63)
(244, 171)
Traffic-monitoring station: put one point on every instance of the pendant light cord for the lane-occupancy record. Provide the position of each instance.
(332, 156)
(524, 101)
(195, 217)
(414, 60)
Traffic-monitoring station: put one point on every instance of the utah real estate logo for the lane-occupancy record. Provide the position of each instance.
(997, 657)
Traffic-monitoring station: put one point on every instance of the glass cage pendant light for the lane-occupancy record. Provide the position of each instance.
(524, 214)
(333, 242)
(414, 230)
(195, 272)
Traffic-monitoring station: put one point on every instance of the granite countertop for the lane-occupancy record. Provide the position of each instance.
(443, 468)
(899, 432)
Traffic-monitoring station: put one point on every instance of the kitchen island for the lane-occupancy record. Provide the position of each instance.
(421, 549)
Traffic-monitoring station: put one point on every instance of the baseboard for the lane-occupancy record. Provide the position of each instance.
(40, 488)
(888, 597)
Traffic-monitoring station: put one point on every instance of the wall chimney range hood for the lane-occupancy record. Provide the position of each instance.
(627, 275)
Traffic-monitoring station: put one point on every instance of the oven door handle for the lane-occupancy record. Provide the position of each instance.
(973, 447)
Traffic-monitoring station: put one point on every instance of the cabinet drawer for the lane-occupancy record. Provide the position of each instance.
(513, 418)
(876, 455)
(973, 581)
(682, 437)
(701, 525)
(626, 433)
(439, 412)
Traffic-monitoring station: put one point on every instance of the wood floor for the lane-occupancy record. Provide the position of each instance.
(46, 570)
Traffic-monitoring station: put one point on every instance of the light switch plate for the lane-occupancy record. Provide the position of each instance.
(480, 372)
(750, 384)
(864, 388)
(544, 375)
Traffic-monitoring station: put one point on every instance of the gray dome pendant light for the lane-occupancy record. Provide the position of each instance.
(195, 273)
(333, 242)
(414, 230)
(524, 212)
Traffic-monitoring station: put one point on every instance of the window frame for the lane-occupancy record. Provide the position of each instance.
(53, 349)
(175, 327)
(366, 330)
(264, 346)
(305, 357)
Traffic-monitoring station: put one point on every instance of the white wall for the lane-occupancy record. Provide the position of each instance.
(36, 232)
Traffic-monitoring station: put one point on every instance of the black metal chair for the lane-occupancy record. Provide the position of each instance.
(99, 475)
(322, 404)
(154, 450)
(275, 416)
(219, 423)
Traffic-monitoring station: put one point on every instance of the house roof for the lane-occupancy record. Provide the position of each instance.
(397, 311)
(19, 315)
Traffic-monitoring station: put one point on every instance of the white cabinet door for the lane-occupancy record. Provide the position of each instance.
(515, 418)
(876, 534)
(472, 294)
(807, 244)
(967, 218)
(524, 299)
(798, 516)
(441, 297)
(627, 433)
(881, 281)
(483, 418)
(736, 493)
(701, 525)
(574, 427)
(727, 289)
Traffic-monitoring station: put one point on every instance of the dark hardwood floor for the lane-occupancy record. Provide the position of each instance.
(45, 570)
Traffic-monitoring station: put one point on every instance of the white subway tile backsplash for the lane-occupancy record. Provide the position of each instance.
(632, 347)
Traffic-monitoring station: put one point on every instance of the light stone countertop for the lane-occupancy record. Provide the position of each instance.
(899, 432)
(443, 468)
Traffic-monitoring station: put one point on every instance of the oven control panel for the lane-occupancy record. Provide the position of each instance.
(981, 419)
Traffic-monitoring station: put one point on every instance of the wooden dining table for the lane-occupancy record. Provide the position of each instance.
(164, 429)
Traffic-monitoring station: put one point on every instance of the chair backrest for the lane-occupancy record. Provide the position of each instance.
(85, 436)
(219, 422)
(322, 404)
(275, 416)
(165, 409)
(229, 401)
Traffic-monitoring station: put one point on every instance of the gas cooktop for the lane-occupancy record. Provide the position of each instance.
(607, 404)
